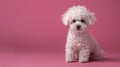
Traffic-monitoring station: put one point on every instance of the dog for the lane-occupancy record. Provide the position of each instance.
(80, 44)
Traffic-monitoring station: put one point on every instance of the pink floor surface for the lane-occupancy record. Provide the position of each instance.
(52, 60)
(35, 25)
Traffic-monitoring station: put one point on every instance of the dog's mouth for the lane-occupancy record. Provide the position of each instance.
(78, 28)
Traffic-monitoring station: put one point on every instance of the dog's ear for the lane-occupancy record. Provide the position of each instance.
(91, 18)
(66, 18)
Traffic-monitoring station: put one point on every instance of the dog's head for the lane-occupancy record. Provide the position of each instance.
(78, 18)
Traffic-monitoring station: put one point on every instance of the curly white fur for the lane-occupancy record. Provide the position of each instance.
(80, 44)
(78, 12)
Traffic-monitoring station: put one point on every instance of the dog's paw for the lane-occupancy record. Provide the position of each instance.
(69, 61)
(83, 60)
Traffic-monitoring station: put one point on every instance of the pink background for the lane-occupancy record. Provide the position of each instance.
(35, 26)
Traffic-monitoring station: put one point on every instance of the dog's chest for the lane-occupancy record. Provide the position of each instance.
(77, 41)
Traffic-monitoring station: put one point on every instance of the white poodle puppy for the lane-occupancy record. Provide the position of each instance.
(80, 44)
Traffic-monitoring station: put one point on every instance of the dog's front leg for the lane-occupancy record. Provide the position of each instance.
(70, 55)
(84, 55)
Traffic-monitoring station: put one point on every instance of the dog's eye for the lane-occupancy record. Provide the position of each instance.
(73, 21)
(82, 20)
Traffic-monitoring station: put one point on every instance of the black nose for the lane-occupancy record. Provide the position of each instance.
(78, 26)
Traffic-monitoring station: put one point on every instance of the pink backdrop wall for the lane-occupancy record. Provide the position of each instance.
(36, 26)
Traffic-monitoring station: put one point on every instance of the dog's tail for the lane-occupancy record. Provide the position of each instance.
(103, 53)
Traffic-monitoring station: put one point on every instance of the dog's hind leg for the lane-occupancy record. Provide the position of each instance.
(98, 54)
